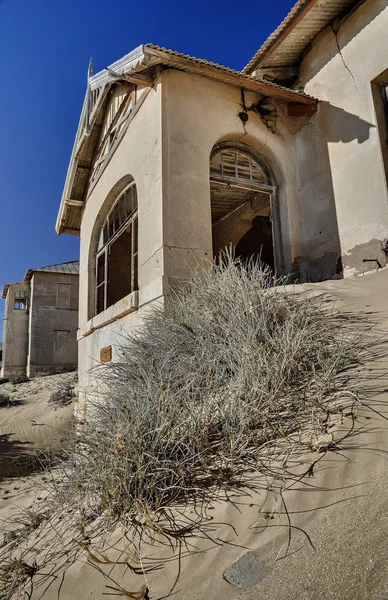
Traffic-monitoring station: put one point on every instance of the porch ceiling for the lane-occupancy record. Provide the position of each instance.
(225, 200)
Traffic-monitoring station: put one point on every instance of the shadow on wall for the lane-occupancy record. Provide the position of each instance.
(323, 258)
(338, 125)
(362, 17)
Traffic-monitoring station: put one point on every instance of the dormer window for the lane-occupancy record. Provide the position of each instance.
(117, 254)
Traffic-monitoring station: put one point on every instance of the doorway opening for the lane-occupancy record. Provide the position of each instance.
(241, 206)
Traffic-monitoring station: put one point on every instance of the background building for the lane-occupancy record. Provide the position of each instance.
(40, 322)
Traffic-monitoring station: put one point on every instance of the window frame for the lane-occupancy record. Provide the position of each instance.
(21, 300)
(222, 177)
(384, 96)
(127, 220)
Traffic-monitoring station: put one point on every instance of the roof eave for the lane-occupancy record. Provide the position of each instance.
(301, 26)
(133, 68)
(267, 49)
(132, 63)
(226, 75)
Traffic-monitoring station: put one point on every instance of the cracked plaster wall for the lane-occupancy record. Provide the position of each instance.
(339, 152)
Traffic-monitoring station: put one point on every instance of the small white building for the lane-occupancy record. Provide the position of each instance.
(176, 158)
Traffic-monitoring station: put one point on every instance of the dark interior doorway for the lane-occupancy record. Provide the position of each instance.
(241, 207)
(257, 243)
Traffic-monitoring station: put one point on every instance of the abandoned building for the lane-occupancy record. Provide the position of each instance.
(40, 322)
(176, 158)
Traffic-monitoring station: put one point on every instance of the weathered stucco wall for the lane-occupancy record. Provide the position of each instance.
(198, 113)
(138, 156)
(15, 336)
(339, 70)
(53, 323)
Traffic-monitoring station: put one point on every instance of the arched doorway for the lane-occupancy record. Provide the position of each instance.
(241, 199)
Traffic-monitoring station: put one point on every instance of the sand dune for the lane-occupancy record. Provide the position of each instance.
(322, 534)
(30, 425)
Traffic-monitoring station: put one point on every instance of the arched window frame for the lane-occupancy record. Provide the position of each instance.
(269, 186)
(224, 176)
(122, 217)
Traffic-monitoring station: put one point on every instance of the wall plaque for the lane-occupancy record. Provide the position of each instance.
(106, 354)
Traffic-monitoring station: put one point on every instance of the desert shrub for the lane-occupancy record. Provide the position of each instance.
(14, 574)
(19, 379)
(4, 400)
(216, 380)
(63, 395)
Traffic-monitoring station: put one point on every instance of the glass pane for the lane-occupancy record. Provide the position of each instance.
(105, 233)
(135, 285)
(122, 208)
(101, 240)
(135, 235)
(125, 201)
(116, 220)
(101, 268)
(134, 191)
(100, 299)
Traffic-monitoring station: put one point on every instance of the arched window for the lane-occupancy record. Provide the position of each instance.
(231, 164)
(241, 194)
(116, 258)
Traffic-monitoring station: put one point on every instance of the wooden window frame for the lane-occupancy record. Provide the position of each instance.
(21, 300)
(236, 179)
(384, 95)
(128, 221)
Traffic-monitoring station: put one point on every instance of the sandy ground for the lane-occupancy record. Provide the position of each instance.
(318, 537)
(28, 426)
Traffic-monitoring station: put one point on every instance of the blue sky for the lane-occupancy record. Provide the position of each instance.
(45, 46)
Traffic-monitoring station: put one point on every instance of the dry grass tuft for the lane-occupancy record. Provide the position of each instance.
(19, 379)
(63, 396)
(223, 374)
(13, 575)
(4, 400)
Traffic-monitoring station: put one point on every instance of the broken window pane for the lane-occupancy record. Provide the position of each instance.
(101, 269)
(119, 284)
(21, 299)
(116, 264)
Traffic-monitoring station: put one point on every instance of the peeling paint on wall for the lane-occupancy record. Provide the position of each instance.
(364, 257)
